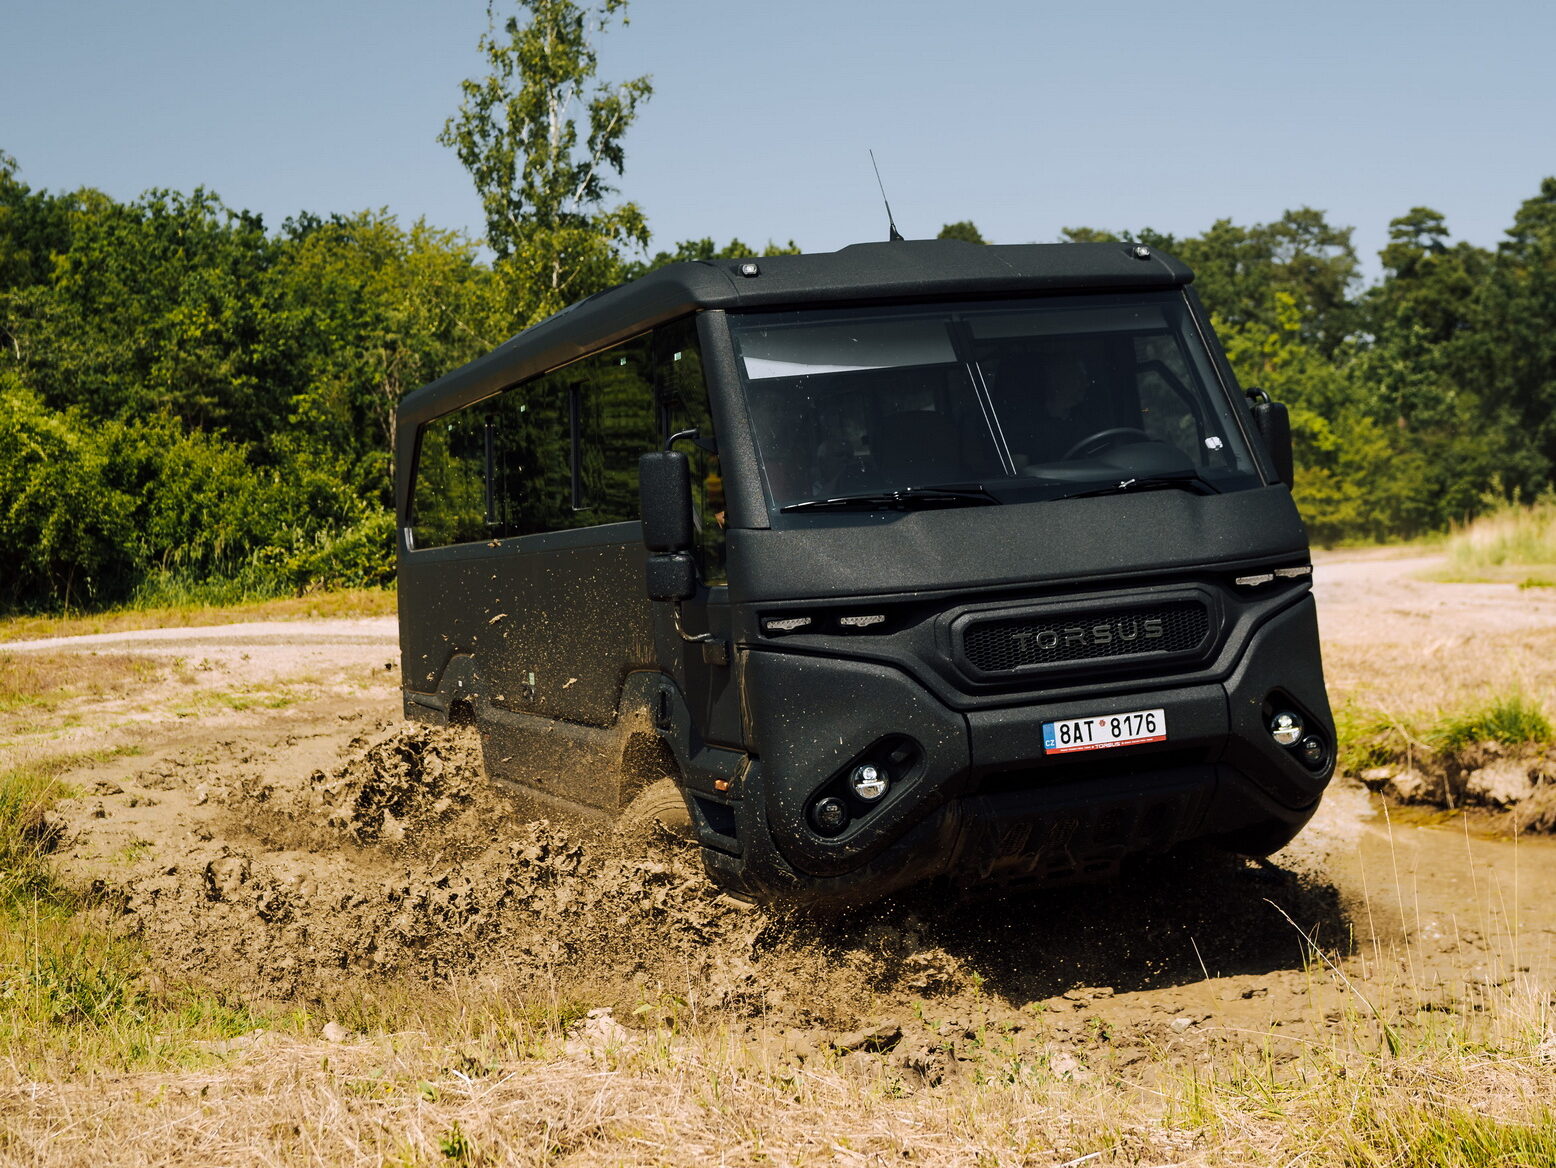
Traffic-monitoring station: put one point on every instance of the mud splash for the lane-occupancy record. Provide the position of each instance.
(399, 864)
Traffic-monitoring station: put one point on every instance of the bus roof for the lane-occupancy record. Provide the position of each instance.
(906, 270)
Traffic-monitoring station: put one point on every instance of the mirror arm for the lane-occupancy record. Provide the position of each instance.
(689, 638)
(694, 436)
(679, 435)
(714, 650)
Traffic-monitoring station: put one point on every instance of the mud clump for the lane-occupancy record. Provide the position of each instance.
(400, 861)
(400, 785)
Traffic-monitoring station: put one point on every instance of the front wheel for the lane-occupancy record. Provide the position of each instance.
(658, 810)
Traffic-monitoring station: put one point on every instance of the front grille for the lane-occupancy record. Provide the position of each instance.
(1008, 644)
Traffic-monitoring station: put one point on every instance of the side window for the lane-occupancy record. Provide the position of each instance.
(448, 499)
(559, 451)
(683, 389)
(531, 444)
(617, 422)
(496, 468)
(1169, 407)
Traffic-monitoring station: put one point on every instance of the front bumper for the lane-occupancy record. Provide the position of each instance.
(977, 800)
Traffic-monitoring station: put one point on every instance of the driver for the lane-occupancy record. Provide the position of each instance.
(1064, 420)
(1053, 413)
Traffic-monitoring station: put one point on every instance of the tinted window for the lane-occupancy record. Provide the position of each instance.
(449, 503)
(1028, 399)
(530, 429)
(556, 452)
(617, 421)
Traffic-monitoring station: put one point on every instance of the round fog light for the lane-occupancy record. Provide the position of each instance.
(868, 782)
(1286, 728)
(830, 815)
(1311, 751)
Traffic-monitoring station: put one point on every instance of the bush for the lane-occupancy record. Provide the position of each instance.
(96, 513)
(63, 522)
(362, 556)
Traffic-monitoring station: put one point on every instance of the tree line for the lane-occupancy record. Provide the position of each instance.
(1417, 399)
(196, 405)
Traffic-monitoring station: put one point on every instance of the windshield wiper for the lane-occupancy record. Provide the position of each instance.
(1191, 482)
(902, 499)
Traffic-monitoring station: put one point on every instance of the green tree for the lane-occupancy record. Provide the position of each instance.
(544, 186)
(1238, 270)
(1146, 235)
(1088, 235)
(1346, 471)
(1514, 349)
(34, 226)
(152, 306)
(1416, 370)
(963, 229)
(364, 311)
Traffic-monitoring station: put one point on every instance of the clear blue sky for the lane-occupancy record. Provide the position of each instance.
(1022, 115)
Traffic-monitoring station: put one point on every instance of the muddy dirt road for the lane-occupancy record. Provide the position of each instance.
(261, 820)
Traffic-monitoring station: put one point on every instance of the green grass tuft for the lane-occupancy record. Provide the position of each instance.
(1446, 1137)
(1368, 738)
(1512, 720)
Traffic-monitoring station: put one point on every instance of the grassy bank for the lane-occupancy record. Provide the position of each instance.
(1370, 738)
(1496, 758)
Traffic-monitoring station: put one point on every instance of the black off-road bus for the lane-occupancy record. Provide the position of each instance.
(914, 560)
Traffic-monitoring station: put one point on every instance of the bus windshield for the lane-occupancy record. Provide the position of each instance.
(1004, 401)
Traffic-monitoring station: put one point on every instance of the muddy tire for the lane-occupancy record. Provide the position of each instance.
(658, 812)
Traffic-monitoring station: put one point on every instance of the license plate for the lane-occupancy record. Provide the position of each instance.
(1104, 730)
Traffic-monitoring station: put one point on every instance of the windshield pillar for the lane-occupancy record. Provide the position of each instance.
(745, 502)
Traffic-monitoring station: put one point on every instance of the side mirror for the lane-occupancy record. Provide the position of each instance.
(1275, 428)
(671, 577)
(665, 493)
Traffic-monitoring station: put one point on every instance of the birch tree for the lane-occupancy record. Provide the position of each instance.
(541, 139)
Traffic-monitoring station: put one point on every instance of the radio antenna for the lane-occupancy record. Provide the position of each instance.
(896, 236)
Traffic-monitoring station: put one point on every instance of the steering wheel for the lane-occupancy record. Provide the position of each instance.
(1102, 439)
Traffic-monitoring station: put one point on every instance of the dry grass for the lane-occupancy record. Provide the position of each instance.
(1448, 1098)
(360, 602)
(1514, 543)
(1431, 672)
(41, 680)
